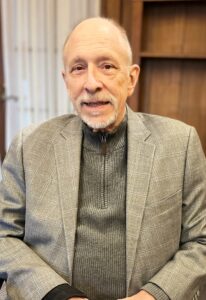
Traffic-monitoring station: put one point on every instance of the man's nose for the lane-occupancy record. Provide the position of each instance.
(92, 82)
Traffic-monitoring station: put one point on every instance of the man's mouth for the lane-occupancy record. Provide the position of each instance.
(95, 103)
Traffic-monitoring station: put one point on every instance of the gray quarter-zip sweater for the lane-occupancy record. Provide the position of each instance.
(99, 268)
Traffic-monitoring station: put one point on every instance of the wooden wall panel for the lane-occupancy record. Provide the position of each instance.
(174, 29)
(157, 22)
(162, 96)
(132, 22)
(193, 96)
(195, 29)
(179, 93)
(111, 9)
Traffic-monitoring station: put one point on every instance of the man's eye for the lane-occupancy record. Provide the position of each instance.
(108, 66)
(77, 69)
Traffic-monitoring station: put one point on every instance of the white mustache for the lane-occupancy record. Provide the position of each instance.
(85, 98)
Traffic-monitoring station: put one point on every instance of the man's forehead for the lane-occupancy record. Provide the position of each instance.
(95, 34)
(88, 51)
(94, 25)
(94, 30)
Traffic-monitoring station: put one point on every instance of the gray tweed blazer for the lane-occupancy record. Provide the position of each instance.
(165, 207)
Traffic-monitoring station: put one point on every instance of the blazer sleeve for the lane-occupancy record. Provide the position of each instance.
(182, 275)
(27, 276)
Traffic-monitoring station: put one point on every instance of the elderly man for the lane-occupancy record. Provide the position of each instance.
(109, 204)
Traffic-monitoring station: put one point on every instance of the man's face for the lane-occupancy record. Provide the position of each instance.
(98, 76)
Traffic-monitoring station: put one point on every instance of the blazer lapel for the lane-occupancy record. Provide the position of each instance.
(139, 165)
(68, 155)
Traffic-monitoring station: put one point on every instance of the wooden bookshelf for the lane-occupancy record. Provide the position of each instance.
(169, 43)
(173, 61)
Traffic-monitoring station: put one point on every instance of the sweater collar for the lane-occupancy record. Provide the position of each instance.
(105, 142)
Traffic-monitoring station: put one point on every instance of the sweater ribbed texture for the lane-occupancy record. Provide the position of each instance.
(99, 268)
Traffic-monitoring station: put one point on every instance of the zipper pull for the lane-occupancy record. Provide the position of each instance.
(103, 139)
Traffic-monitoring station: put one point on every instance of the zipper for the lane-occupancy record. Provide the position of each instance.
(103, 139)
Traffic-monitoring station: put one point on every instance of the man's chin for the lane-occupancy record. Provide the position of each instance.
(99, 124)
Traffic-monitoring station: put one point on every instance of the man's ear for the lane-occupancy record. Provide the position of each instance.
(64, 75)
(133, 78)
(65, 78)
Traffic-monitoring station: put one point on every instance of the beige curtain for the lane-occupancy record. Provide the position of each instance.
(33, 34)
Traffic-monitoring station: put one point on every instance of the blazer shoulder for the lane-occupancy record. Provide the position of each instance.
(161, 126)
(49, 130)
